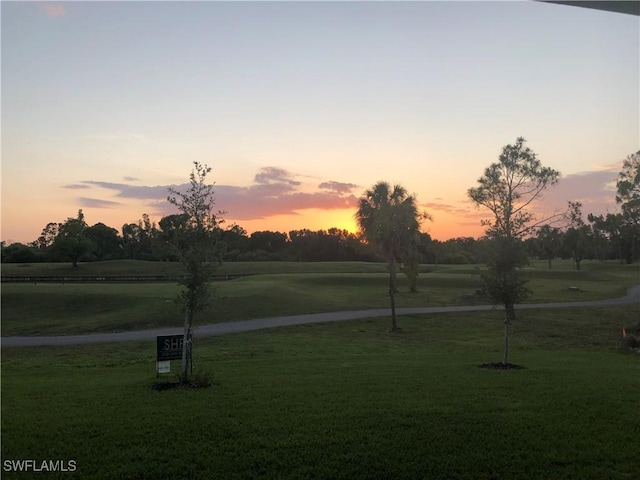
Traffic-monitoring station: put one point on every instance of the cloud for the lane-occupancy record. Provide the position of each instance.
(270, 175)
(464, 214)
(596, 191)
(338, 187)
(250, 203)
(97, 203)
(76, 187)
(140, 192)
(616, 166)
(449, 209)
(53, 10)
(273, 192)
(131, 179)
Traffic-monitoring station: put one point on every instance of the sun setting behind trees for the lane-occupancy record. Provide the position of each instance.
(603, 237)
(301, 106)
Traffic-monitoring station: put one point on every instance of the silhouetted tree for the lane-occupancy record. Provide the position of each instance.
(71, 242)
(628, 196)
(20, 253)
(389, 220)
(268, 245)
(107, 244)
(48, 236)
(138, 238)
(549, 242)
(507, 189)
(236, 242)
(164, 242)
(577, 236)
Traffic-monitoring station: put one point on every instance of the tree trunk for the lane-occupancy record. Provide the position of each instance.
(186, 346)
(549, 259)
(392, 293)
(510, 314)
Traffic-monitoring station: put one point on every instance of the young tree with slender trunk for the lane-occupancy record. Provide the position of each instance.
(197, 245)
(508, 190)
(389, 220)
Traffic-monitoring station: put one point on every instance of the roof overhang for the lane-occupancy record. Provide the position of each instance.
(628, 7)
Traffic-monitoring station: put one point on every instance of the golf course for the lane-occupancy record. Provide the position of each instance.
(337, 399)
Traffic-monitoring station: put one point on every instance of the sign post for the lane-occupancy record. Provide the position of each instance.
(168, 347)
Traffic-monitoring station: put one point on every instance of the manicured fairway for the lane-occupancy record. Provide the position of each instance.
(345, 400)
(55, 309)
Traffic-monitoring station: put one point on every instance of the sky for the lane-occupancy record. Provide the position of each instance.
(299, 107)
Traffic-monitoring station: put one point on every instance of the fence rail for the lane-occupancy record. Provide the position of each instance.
(108, 278)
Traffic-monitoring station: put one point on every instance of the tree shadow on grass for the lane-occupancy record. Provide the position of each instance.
(199, 380)
(501, 366)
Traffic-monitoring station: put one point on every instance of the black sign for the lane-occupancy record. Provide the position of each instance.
(169, 347)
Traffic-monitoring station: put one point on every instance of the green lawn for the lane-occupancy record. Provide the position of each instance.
(341, 400)
(345, 400)
(139, 267)
(53, 309)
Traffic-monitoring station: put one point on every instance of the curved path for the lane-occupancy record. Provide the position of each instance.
(632, 296)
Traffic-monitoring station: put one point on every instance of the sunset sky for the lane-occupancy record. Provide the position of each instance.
(299, 107)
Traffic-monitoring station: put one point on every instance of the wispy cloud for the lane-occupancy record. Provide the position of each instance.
(271, 175)
(276, 191)
(53, 10)
(338, 187)
(132, 191)
(595, 190)
(446, 208)
(97, 203)
(616, 166)
(273, 192)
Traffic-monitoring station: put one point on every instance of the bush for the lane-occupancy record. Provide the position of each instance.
(631, 341)
(19, 253)
(632, 338)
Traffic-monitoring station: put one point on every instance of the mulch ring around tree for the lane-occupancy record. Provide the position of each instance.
(162, 386)
(501, 366)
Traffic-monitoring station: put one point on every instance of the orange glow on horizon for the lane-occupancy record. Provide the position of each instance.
(313, 219)
(441, 228)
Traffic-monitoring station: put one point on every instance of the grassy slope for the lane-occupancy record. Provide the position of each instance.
(29, 309)
(344, 400)
(139, 267)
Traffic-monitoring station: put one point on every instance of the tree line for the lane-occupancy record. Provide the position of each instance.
(576, 236)
(590, 237)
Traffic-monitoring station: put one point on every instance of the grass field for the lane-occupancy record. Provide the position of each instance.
(341, 400)
(345, 400)
(55, 308)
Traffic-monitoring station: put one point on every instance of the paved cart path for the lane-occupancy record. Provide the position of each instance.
(632, 296)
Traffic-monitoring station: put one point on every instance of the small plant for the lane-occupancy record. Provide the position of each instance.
(631, 338)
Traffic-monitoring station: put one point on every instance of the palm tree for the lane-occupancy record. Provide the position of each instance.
(389, 220)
